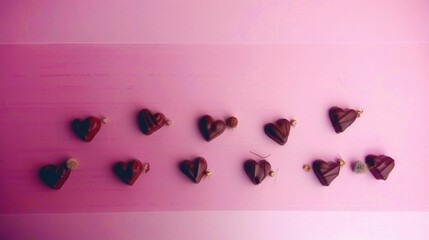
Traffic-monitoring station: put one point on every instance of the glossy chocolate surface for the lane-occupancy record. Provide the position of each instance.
(86, 129)
(341, 119)
(278, 131)
(149, 123)
(209, 128)
(55, 175)
(380, 166)
(195, 169)
(326, 172)
(257, 171)
(128, 171)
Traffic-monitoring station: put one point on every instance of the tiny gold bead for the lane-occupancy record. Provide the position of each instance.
(306, 167)
(72, 163)
(105, 120)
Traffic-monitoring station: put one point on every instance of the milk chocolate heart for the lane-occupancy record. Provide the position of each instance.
(326, 172)
(380, 166)
(129, 171)
(278, 131)
(257, 171)
(149, 123)
(195, 170)
(341, 119)
(55, 175)
(86, 129)
(209, 128)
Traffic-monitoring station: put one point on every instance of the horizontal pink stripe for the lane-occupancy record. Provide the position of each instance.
(220, 21)
(218, 225)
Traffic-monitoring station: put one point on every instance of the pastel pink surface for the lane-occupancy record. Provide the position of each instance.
(214, 225)
(44, 87)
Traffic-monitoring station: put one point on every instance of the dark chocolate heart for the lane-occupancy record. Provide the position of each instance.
(326, 172)
(341, 119)
(149, 123)
(209, 128)
(380, 166)
(278, 131)
(257, 171)
(129, 171)
(86, 129)
(55, 175)
(195, 170)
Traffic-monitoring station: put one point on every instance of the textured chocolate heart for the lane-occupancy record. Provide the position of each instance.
(129, 171)
(195, 170)
(326, 172)
(86, 129)
(209, 128)
(278, 131)
(55, 175)
(257, 171)
(380, 166)
(341, 119)
(149, 123)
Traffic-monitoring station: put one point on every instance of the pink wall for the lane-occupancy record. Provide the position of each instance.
(365, 54)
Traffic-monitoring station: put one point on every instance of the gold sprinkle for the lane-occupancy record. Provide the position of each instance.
(208, 173)
(293, 122)
(169, 122)
(359, 113)
(342, 163)
(72, 163)
(272, 173)
(105, 120)
(306, 167)
(146, 167)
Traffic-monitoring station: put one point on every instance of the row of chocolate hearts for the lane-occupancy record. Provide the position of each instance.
(380, 166)
(210, 128)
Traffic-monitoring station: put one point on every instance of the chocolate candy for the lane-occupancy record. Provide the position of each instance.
(278, 131)
(209, 128)
(86, 129)
(129, 171)
(380, 166)
(326, 172)
(195, 169)
(341, 119)
(55, 175)
(149, 123)
(232, 122)
(257, 171)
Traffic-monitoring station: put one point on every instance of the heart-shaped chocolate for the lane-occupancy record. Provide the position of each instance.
(278, 131)
(129, 171)
(341, 119)
(55, 175)
(149, 123)
(380, 166)
(209, 128)
(195, 170)
(257, 171)
(326, 172)
(86, 129)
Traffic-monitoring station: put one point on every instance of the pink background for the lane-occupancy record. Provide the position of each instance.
(296, 60)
